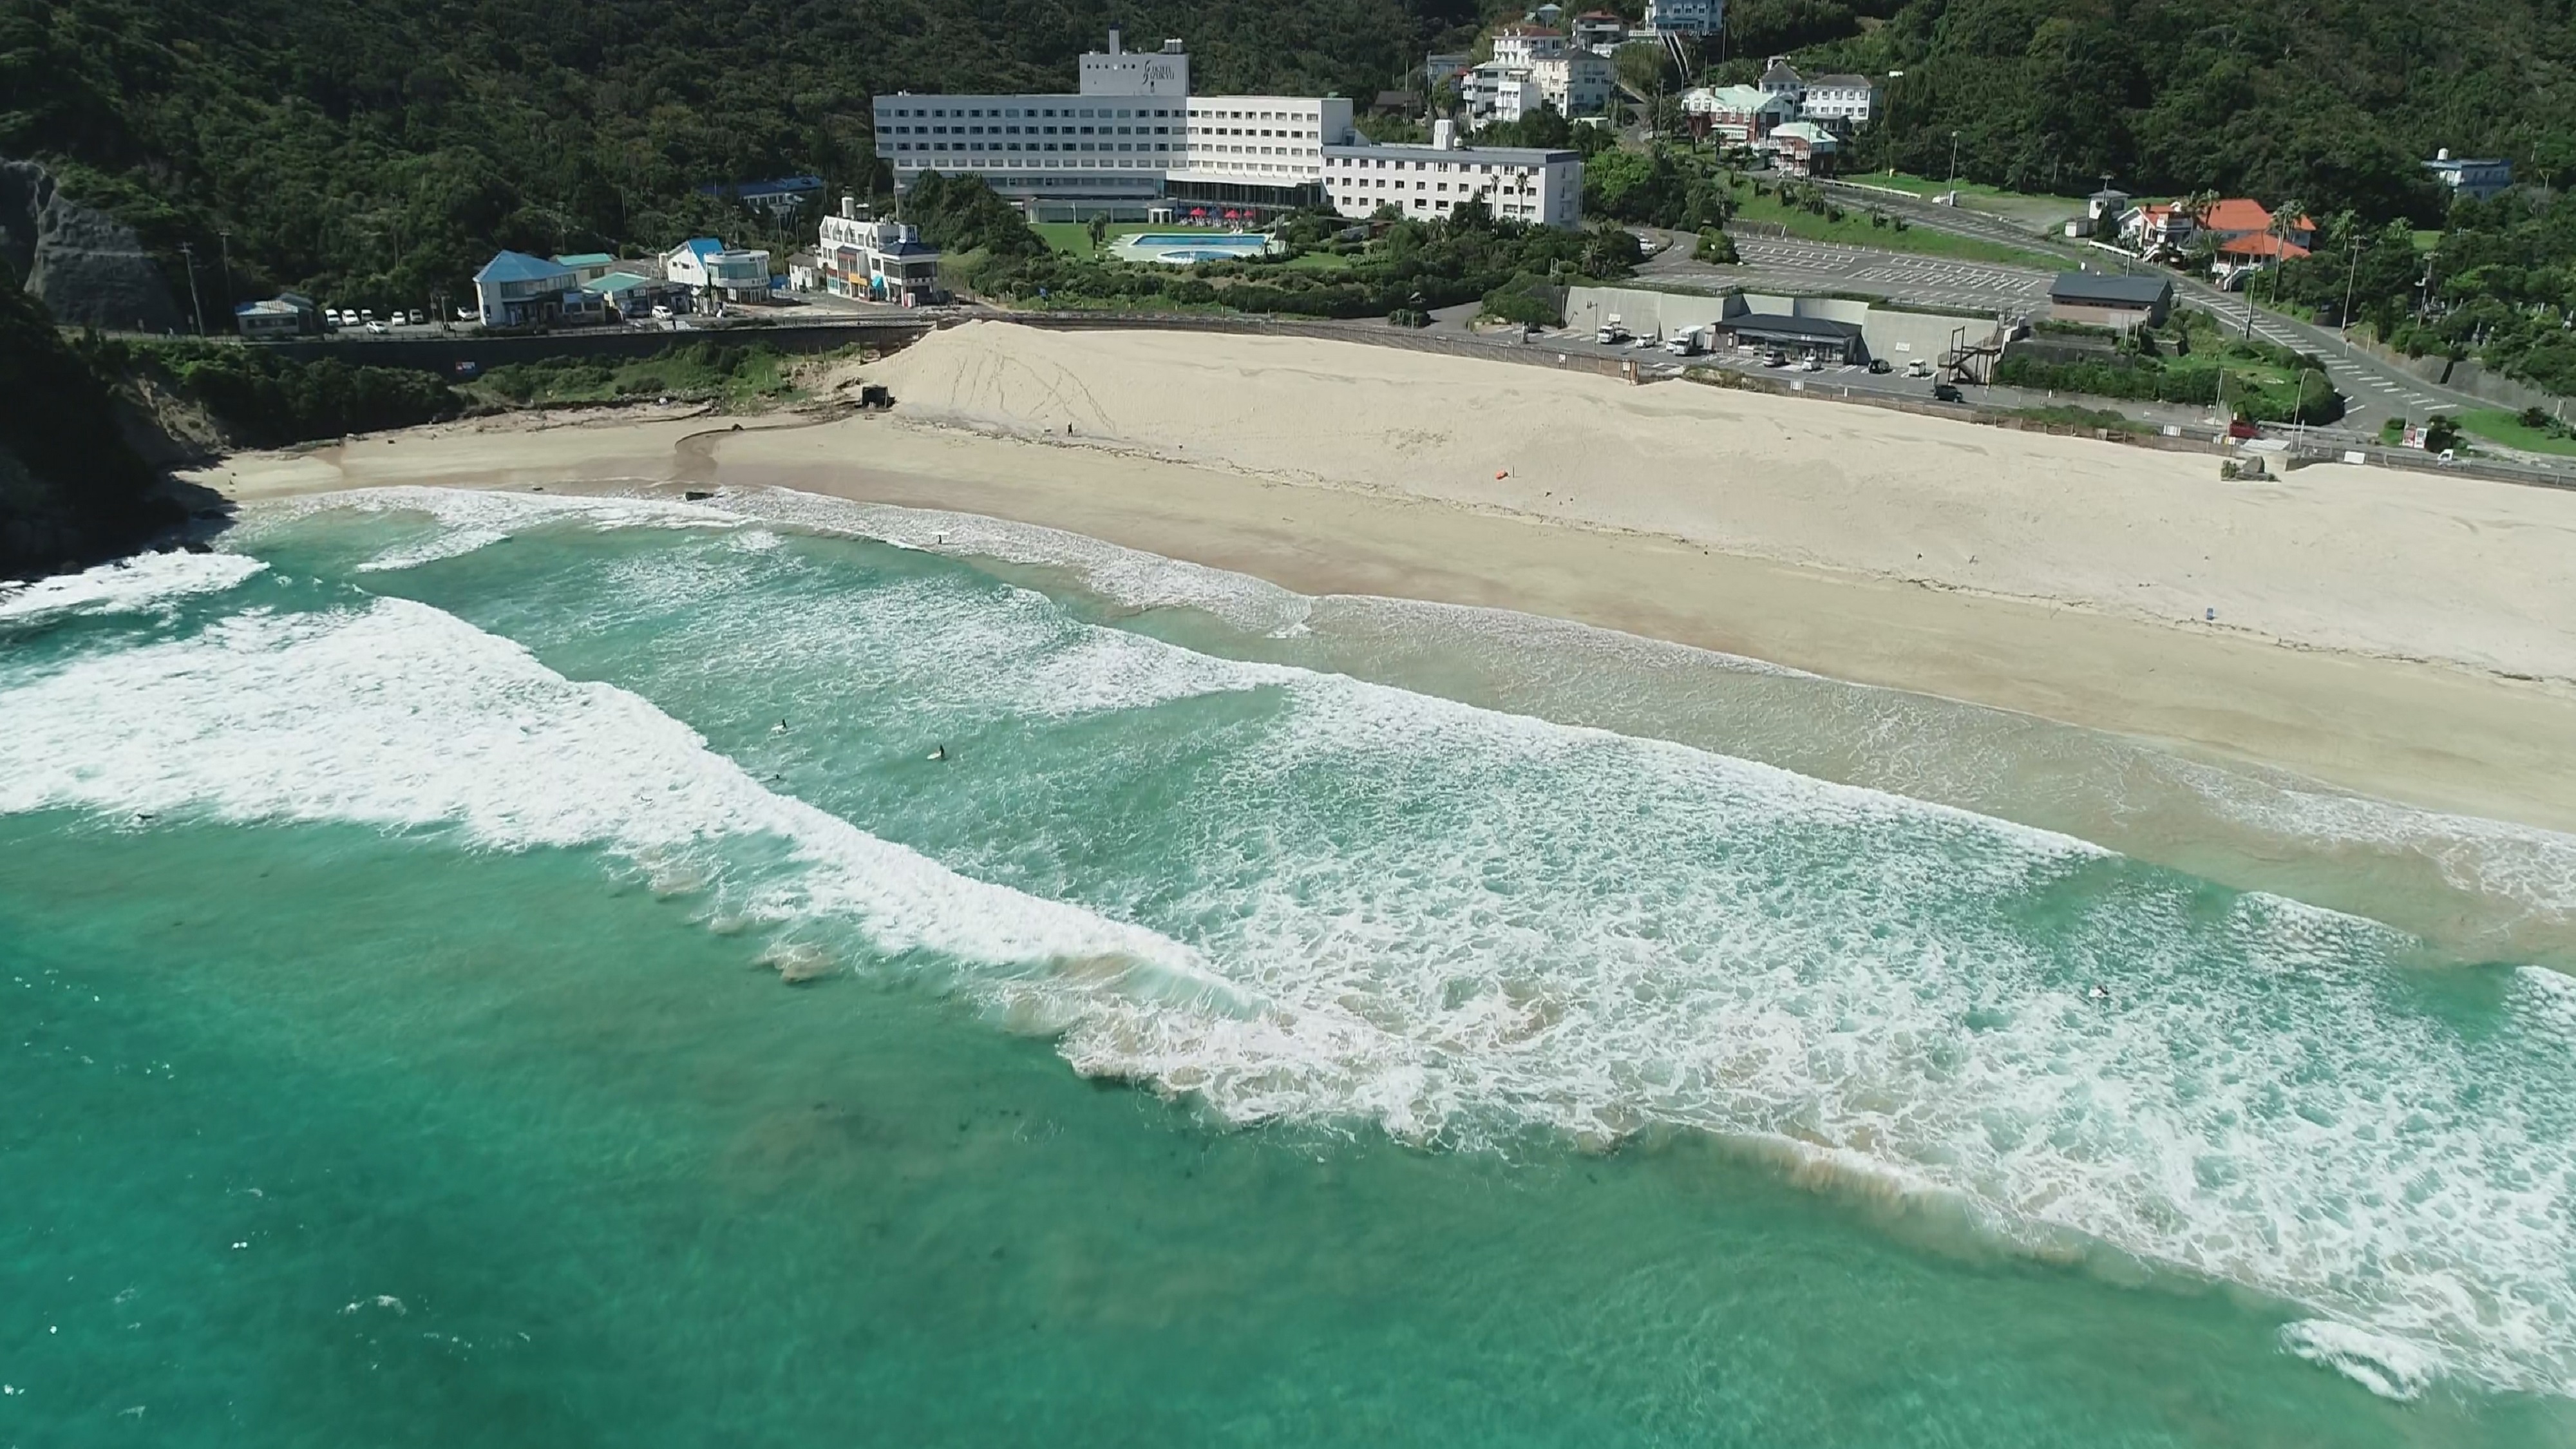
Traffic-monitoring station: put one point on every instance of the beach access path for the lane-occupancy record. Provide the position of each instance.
(2403, 635)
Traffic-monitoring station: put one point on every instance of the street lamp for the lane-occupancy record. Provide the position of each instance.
(1954, 168)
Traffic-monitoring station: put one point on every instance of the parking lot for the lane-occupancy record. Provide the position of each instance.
(1803, 266)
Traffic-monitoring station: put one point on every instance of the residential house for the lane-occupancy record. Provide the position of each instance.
(1551, 15)
(706, 266)
(588, 266)
(2108, 301)
(1740, 115)
(1780, 78)
(1844, 102)
(1495, 91)
(1801, 148)
(2102, 213)
(2158, 229)
(288, 314)
(1577, 83)
(780, 196)
(631, 295)
(1600, 31)
(1686, 17)
(515, 289)
(2478, 179)
(1519, 46)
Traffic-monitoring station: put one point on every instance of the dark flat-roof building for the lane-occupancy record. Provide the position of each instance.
(1821, 338)
(2109, 301)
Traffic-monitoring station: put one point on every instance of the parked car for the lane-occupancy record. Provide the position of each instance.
(1918, 368)
(417, 319)
(468, 314)
(1809, 364)
(1881, 364)
(661, 313)
(1944, 392)
(1776, 359)
(376, 327)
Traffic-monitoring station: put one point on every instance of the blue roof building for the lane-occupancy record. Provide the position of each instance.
(777, 194)
(515, 289)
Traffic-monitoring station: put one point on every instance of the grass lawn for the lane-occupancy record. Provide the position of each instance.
(1323, 262)
(2499, 426)
(1074, 237)
(1854, 230)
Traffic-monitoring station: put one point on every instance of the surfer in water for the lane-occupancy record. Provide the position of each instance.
(779, 728)
(939, 752)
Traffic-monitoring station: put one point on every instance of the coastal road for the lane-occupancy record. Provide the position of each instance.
(2374, 389)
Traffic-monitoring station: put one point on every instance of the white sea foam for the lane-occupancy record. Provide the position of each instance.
(143, 582)
(1131, 577)
(400, 715)
(2389, 1367)
(469, 519)
(1456, 922)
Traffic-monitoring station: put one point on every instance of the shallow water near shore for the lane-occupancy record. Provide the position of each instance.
(1276, 1021)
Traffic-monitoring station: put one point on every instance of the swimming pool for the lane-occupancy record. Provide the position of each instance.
(1179, 249)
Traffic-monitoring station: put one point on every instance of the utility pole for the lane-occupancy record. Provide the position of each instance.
(2350, 273)
(227, 239)
(1892, 78)
(190, 252)
(1954, 168)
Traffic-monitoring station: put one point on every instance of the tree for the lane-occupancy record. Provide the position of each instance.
(1715, 246)
(1099, 229)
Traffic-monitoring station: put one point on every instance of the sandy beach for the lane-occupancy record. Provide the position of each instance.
(2406, 635)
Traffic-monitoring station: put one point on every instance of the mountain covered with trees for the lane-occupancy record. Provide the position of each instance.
(2332, 101)
(378, 150)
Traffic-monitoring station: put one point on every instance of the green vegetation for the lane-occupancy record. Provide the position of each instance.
(2503, 285)
(1714, 247)
(736, 379)
(71, 489)
(2531, 431)
(2337, 102)
(264, 399)
(373, 152)
(1075, 238)
(1408, 265)
(2191, 361)
(2068, 415)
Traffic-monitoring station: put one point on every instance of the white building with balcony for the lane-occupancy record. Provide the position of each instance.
(1577, 83)
(1494, 92)
(1520, 46)
(707, 267)
(1845, 102)
(1517, 183)
(1686, 17)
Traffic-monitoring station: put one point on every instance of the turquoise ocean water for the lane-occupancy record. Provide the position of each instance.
(505, 969)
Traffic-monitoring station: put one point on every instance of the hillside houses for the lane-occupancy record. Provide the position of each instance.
(1801, 124)
(2240, 232)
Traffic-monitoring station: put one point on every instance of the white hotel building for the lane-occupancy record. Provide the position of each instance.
(1516, 182)
(1114, 140)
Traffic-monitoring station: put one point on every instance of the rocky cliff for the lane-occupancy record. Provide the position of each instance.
(88, 268)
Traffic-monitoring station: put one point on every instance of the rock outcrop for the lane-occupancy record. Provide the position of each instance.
(88, 268)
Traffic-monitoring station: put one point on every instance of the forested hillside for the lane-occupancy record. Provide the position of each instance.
(380, 149)
(2331, 101)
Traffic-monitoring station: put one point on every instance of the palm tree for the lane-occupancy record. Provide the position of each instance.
(2285, 220)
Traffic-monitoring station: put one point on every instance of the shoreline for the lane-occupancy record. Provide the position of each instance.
(2453, 735)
